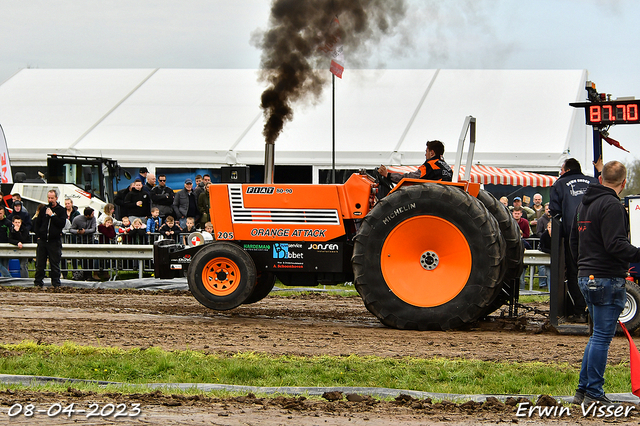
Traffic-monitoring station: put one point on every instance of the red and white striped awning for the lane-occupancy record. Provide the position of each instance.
(494, 176)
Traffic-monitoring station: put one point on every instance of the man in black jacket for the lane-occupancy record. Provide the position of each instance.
(162, 197)
(600, 244)
(118, 200)
(566, 194)
(137, 202)
(48, 229)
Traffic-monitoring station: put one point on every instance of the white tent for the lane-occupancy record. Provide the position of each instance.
(204, 118)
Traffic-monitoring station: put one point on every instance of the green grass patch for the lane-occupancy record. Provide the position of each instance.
(154, 365)
(533, 299)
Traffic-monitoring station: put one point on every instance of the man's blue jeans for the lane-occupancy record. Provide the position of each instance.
(542, 276)
(605, 302)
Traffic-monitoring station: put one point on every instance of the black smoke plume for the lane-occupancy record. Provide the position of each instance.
(292, 63)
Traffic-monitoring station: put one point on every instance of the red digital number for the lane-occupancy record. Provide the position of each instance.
(595, 115)
(621, 112)
(607, 113)
(632, 112)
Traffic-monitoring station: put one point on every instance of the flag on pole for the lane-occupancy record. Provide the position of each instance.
(5, 165)
(634, 362)
(614, 142)
(333, 48)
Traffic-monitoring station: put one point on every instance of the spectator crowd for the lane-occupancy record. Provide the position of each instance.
(143, 212)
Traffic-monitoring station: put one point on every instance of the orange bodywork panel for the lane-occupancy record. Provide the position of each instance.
(472, 188)
(287, 212)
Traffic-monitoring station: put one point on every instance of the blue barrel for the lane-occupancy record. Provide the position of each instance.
(14, 268)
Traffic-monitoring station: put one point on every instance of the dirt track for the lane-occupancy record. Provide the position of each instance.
(305, 325)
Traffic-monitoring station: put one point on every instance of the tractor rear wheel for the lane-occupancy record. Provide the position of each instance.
(264, 284)
(428, 257)
(221, 276)
(512, 264)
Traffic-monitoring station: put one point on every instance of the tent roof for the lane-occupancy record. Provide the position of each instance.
(211, 117)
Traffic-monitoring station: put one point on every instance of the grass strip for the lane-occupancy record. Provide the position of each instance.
(139, 366)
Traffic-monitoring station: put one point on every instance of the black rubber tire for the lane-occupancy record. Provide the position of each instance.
(264, 284)
(478, 227)
(510, 230)
(235, 260)
(630, 316)
(513, 264)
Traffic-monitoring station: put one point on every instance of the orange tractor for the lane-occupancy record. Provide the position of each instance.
(429, 255)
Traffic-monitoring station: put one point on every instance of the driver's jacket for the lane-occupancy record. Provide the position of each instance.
(432, 169)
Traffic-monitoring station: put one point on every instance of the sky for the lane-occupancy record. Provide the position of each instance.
(600, 36)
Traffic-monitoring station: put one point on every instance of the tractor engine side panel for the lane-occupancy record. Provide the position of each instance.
(287, 212)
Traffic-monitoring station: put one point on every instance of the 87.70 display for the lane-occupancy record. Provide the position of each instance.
(611, 112)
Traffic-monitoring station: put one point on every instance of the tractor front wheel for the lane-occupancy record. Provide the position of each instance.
(221, 276)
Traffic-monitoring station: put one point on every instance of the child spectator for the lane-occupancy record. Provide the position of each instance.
(137, 233)
(208, 227)
(106, 230)
(107, 235)
(170, 229)
(154, 222)
(17, 236)
(188, 229)
(124, 229)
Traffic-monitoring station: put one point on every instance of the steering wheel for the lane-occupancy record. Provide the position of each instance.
(385, 185)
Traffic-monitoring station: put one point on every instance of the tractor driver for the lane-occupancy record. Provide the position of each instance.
(435, 168)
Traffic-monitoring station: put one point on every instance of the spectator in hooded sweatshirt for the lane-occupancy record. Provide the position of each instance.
(19, 236)
(599, 240)
(23, 214)
(118, 200)
(137, 202)
(143, 175)
(5, 228)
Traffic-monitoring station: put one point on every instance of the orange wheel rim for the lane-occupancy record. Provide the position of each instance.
(426, 261)
(221, 276)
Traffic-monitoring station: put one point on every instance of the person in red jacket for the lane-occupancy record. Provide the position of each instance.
(522, 222)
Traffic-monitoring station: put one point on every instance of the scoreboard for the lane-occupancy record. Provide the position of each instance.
(607, 113)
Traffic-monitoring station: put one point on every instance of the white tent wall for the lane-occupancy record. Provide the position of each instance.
(208, 118)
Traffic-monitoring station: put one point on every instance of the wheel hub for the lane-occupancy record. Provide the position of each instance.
(429, 260)
(221, 276)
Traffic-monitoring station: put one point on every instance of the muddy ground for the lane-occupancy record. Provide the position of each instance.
(316, 324)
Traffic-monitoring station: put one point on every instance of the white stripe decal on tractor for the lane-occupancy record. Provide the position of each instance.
(241, 214)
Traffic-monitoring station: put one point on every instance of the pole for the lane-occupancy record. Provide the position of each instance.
(597, 149)
(333, 124)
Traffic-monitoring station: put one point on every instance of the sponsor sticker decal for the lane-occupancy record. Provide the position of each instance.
(260, 190)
